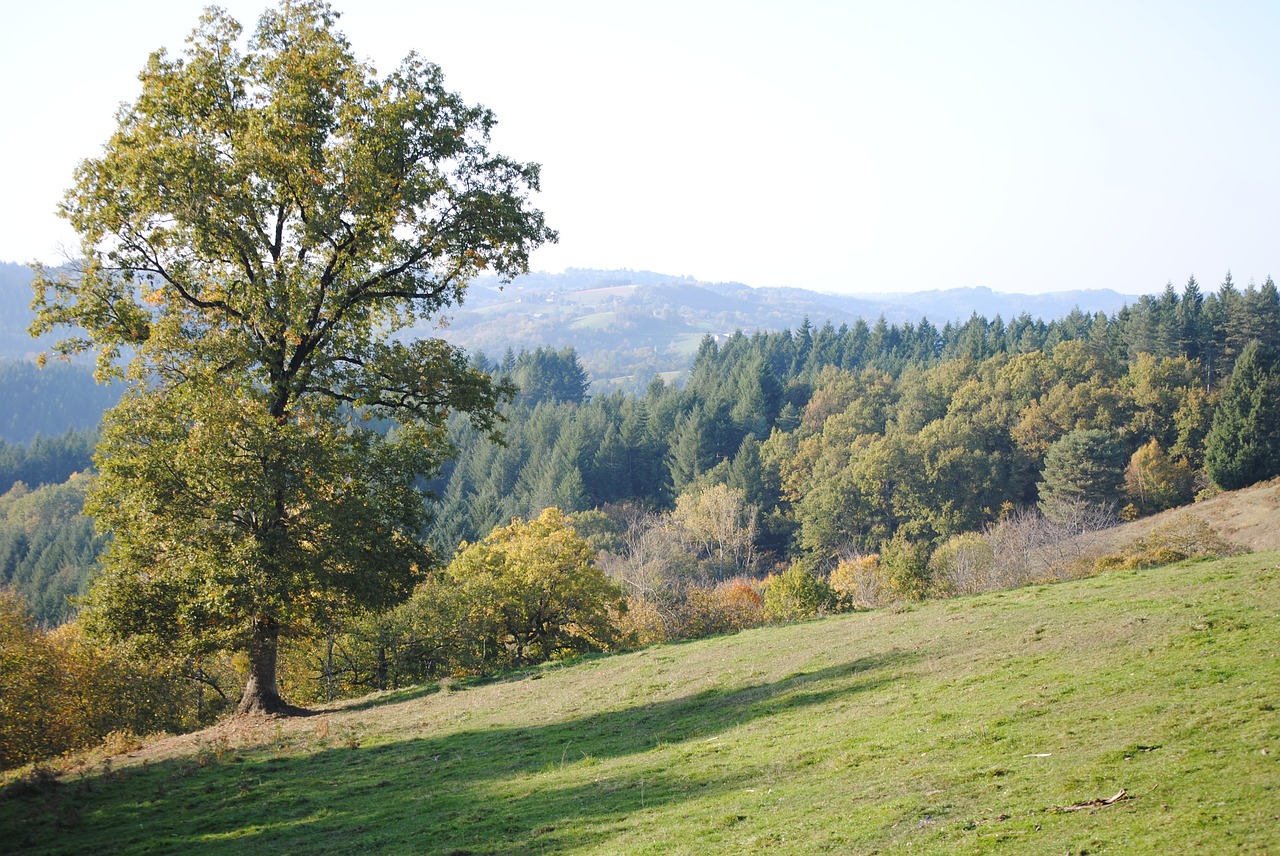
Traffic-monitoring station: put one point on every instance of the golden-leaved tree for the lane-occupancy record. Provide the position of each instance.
(534, 592)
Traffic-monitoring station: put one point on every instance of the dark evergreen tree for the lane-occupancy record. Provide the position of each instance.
(689, 457)
(547, 375)
(1243, 446)
(746, 473)
(1166, 332)
(1191, 322)
(1264, 310)
(1082, 472)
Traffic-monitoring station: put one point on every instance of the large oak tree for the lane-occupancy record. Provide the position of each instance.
(267, 215)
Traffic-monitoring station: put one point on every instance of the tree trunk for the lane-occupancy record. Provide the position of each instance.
(328, 669)
(261, 694)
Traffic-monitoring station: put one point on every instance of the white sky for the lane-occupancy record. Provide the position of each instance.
(841, 146)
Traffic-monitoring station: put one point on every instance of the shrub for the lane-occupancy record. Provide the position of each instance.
(642, 624)
(1172, 542)
(796, 594)
(859, 582)
(731, 606)
(965, 564)
(60, 691)
(906, 565)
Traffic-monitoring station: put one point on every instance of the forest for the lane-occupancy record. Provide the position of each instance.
(791, 473)
(844, 436)
(830, 440)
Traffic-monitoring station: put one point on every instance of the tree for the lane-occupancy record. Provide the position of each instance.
(549, 375)
(260, 222)
(1083, 470)
(717, 525)
(535, 592)
(1243, 446)
(1153, 481)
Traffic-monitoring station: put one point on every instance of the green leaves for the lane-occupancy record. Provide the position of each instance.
(534, 589)
(261, 223)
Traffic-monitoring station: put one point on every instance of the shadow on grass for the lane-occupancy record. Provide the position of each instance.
(547, 788)
(379, 700)
(417, 691)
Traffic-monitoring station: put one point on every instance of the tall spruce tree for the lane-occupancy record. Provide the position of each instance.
(1243, 446)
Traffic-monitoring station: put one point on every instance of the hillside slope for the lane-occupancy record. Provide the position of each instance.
(1249, 517)
(1133, 712)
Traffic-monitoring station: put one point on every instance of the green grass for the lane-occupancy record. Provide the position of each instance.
(964, 726)
(594, 321)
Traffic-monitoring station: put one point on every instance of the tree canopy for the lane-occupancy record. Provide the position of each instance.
(534, 591)
(1083, 469)
(1243, 445)
(266, 215)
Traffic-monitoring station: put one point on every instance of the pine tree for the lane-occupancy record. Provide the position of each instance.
(1243, 446)
(1082, 473)
(1264, 309)
(1189, 316)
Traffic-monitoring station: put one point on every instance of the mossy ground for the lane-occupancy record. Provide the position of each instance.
(995, 723)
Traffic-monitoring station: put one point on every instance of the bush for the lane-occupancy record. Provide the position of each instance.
(725, 608)
(965, 564)
(906, 565)
(59, 691)
(796, 594)
(860, 583)
(642, 624)
(1170, 543)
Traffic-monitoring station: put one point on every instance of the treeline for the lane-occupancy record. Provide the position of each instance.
(46, 460)
(837, 440)
(845, 438)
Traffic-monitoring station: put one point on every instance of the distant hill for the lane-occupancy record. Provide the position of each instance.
(630, 325)
(637, 323)
(15, 312)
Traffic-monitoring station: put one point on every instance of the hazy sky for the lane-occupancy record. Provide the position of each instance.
(842, 146)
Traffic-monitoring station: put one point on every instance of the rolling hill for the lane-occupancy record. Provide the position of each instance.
(1132, 712)
(628, 325)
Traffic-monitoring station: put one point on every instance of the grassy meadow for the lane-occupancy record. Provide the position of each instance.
(1131, 712)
